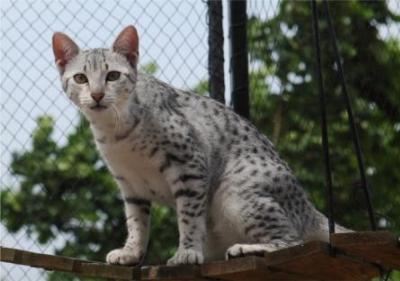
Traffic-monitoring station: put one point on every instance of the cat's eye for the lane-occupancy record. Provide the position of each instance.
(80, 78)
(113, 75)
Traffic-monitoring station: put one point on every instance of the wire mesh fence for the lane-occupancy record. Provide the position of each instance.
(174, 47)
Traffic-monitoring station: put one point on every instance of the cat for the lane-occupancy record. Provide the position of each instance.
(232, 192)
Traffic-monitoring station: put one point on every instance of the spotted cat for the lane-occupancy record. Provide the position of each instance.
(232, 193)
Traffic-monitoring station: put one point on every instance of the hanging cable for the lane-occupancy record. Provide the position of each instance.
(353, 128)
(324, 128)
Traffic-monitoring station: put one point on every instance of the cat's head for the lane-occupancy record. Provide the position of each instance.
(98, 80)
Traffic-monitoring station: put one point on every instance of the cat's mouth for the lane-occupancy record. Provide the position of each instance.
(98, 107)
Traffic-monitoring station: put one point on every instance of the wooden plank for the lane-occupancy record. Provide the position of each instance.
(98, 269)
(108, 271)
(176, 273)
(247, 268)
(382, 247)
(36, 260)
(58, 263)
(7, 254)
(312, 259)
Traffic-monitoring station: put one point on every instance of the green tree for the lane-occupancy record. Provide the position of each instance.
(66, 189)
(282, 49)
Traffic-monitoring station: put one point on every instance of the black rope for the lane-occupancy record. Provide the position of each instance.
(324, 129)
(353, 128)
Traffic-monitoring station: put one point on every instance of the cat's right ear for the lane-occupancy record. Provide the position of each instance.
(64, 50)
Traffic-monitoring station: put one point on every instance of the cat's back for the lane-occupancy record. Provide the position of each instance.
(216, 126)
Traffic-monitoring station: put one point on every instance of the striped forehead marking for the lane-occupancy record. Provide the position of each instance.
(95, 59)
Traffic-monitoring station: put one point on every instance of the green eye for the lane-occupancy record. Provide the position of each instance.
(80, 78)
(113, 75)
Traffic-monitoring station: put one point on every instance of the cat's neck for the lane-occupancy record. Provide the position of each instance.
(112, 123)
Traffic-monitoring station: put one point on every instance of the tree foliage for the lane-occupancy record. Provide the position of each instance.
(282, 50)
(65, 189)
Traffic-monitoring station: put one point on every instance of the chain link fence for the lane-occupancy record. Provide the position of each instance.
(173, 46)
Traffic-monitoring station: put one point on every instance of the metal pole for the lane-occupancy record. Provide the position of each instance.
(216, 81)
(239, 61)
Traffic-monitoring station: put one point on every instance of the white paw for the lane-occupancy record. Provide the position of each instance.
(186, 256)
(123, 257)
(240, 250)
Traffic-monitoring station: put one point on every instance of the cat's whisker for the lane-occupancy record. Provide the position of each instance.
(116, 119)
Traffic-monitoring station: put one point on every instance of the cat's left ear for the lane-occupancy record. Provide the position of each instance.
(127, 44)
(64, 50)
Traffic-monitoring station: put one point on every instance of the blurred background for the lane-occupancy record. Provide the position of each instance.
(56, 194)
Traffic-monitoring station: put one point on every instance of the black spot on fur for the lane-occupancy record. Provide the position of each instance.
(185, 193)
(137, 201)
(189, 177)
(153, 151)
(240, 169)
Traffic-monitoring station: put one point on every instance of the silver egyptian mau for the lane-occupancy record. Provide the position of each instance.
(232, 193)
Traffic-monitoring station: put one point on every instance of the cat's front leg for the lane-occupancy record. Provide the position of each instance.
(190, 196)
(137, 211)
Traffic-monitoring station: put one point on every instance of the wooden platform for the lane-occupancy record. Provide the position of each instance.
(379, 247)
(359, 256)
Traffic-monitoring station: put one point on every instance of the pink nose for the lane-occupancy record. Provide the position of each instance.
(97, 96)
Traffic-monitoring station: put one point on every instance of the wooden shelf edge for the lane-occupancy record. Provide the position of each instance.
(379, 247)
(280, 264)
(65, 264)
(362, 237)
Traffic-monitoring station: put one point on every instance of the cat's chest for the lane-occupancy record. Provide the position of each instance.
(135, 172)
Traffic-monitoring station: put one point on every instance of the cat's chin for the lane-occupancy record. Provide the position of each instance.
(98, 108)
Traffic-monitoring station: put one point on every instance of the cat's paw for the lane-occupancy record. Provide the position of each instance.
(123, 257)
(186, 256)
(241, 250)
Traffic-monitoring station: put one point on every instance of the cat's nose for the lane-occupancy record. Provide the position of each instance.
(97, 96)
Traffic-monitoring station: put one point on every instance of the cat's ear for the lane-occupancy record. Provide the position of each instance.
(127, 44)
(64, 50)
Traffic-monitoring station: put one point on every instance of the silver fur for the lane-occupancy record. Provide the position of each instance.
(232, 193)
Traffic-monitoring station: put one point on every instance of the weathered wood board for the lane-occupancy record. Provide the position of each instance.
(356, 256)
(382, 247)
(314, 260)
(57, 263)
(246, 268)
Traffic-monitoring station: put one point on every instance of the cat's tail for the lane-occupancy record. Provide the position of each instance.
(318, 228)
